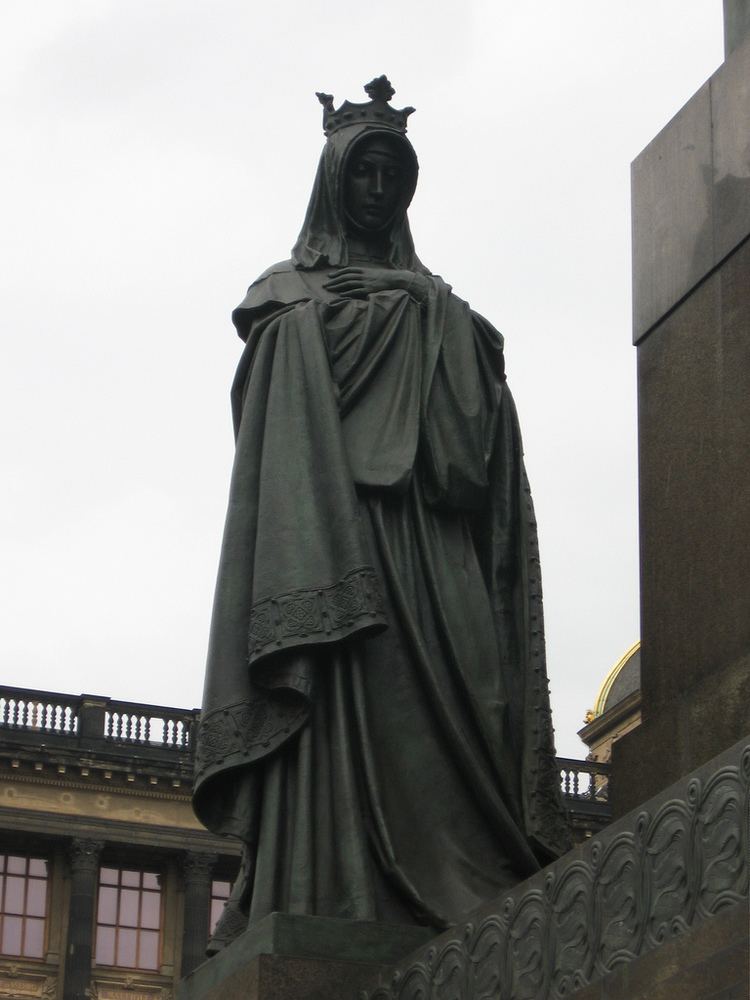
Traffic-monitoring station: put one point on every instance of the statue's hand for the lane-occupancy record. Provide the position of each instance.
(359, 282)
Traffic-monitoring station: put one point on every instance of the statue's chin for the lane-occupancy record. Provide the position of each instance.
(363, 229)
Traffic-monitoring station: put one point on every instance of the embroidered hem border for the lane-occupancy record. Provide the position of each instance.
(325, 614)
(243, 732)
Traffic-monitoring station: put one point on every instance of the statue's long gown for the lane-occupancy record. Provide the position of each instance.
(376, 722)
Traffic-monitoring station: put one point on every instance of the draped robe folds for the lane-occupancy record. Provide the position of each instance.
(376, 724)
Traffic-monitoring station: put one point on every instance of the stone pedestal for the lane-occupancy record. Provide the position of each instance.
(710, 963)
(736, 23)
(691, 275)
(288, 957)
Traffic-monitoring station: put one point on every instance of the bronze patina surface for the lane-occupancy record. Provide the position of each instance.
(376, 724)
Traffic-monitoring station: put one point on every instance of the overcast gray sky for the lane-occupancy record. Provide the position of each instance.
(157, 155)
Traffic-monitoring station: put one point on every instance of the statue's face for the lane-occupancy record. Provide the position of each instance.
(374, 183)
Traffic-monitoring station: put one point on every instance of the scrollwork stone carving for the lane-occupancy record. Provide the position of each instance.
(648, 878)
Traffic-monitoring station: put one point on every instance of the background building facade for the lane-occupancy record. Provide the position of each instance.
(108, 883)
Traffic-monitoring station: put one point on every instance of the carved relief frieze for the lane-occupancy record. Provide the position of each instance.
(128, 989)
(644, 881)
(17, 982)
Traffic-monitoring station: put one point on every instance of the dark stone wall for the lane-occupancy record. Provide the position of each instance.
(711, 963)
(694, 416)
(736, 23)
(691, 308)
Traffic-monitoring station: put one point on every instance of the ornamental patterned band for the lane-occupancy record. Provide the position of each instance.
(644, 881)
(304, 616)
(244, 732)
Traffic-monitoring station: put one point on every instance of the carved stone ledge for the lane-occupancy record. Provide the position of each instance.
(647, 879)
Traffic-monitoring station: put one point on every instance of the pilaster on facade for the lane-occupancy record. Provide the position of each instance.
(197, 871)
(83, 856)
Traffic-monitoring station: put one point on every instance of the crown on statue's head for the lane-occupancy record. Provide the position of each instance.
(377, 111)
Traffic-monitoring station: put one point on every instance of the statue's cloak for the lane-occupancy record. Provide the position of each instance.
(376, 723)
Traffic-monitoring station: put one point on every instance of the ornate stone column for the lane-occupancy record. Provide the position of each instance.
(196, 869)
(84, 870)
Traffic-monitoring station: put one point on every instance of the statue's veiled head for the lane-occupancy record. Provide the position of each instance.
(378, 182)
(365, 181)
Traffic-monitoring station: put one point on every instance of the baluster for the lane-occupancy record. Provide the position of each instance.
(169, 733)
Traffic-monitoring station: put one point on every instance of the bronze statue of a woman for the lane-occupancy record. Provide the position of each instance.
(376, 725)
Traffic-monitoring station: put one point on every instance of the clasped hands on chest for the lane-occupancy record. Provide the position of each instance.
(359, 282)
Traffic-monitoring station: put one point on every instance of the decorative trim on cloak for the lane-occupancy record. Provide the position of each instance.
(244, 732)
(547, 823)
(321, 615)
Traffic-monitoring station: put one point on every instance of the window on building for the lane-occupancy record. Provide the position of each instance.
(128, 919)
(23, 905)
(219, 896)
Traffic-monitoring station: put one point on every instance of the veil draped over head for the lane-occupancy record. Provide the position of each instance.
(322, 239)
